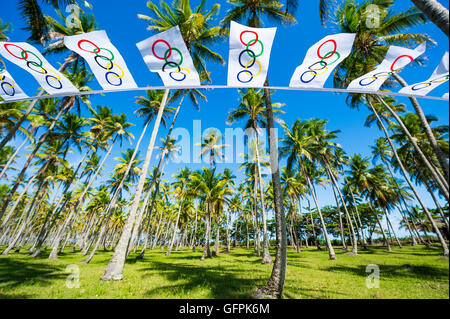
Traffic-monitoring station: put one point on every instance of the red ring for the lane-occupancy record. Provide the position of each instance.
(255, 41)
(168, 45)
(6, 47)
(329, 56)
(393, 64)
(84, 40)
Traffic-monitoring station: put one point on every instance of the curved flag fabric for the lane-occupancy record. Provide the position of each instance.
(249, 55)
(9, 89)
(31, 60)
(103, 58)
(321, 59)
(167, 54)
(439, 76)
(396, 59)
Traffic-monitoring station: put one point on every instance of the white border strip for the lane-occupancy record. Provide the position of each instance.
(212, 87)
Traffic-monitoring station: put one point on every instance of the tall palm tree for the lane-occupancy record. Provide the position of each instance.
(297, 146)
(253, 11)
(197, 31)
(252, 106)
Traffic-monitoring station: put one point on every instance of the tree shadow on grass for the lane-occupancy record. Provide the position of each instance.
(14, 272)
(222, 282)
(422, 272)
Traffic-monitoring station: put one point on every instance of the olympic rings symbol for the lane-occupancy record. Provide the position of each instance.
(181, 73)
(385, 75)
(104, 61)
(432, 83)
(35, 64)
(320, 67)
(4, 85)
(252, 55)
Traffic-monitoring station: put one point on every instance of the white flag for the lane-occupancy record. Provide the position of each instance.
(249, 56)
(445, 96)
(396, 59)
(102, 56)
(439, 76)
(321, 59)
(32, 61)
(167, 54)
(9, 90)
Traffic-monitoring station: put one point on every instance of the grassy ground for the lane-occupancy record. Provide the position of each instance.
(411, 272)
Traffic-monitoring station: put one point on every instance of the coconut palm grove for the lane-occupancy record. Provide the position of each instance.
(233, 192)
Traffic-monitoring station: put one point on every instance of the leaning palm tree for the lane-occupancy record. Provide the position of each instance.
(197, 31)
(58, 31)
(436, 12)
(371, 45)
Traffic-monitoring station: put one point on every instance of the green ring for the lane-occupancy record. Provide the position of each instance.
(104, 57)
(179, 52)
(262, 48)
(35, 64)
(339, 56)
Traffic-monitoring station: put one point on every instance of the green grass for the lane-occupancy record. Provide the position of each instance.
(411, 272)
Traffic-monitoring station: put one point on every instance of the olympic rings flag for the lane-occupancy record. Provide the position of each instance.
(31, 60)
(167, 54)
(9, 90)
(394, 62)
(104, 59)
(249, 56)
(439, 76)
(321, 59)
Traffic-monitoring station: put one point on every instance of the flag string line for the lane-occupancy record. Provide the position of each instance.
(213, 87)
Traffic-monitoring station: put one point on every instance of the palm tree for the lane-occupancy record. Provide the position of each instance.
(298, 148)
(252, 106)
(39, 30)
(182, 179)
(252, 11)
(210, 188)
(371, 44)
(211, 146)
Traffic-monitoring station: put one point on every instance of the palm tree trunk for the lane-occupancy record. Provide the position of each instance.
(426, 126)
(436, 12)
(114, 269)
(176, 226)
(408, 180)
(13, 156)
(352, 230)
(437, 177)
(392, 228)
(206, 251)
(275, 285)
(266, 255)
(388, 246)
(341, 226)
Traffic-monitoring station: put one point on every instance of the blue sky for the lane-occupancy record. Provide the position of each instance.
(124, 29)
